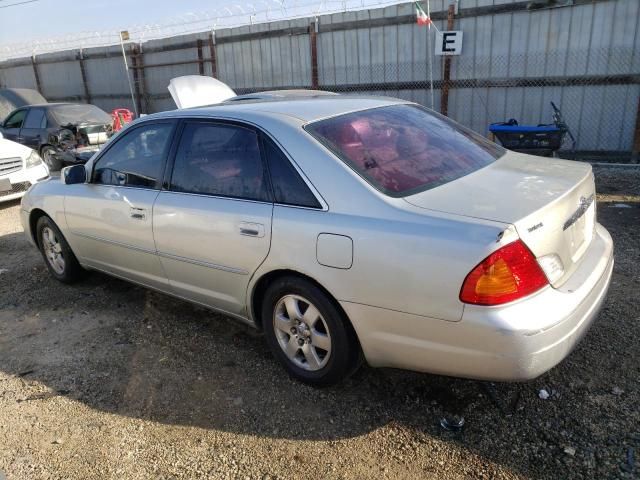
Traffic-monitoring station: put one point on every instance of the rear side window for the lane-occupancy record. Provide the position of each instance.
(405, 149)
(219, 159)
(35, 119)
(136, 159)
(288, 186)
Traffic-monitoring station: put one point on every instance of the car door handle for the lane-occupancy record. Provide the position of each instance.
(138, 213)
(251, 229)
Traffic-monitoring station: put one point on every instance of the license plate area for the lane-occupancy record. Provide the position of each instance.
(578, 236)
(5, 185)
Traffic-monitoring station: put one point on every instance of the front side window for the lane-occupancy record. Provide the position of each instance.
(15, 120)
(405, 149)
(136, 159)
(219, 159)
(35, 118)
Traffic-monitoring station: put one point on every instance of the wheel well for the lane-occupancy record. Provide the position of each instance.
(264, 281)
(42, 147)
(34, 216)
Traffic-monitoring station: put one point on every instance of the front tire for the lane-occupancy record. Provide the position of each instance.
(307, 332)
(60, 260)
(48, 154)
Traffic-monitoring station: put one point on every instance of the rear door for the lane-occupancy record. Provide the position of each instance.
(110, 218)
(33, 128)
(212, 220)
(13, 124)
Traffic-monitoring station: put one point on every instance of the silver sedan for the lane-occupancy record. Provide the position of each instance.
(345, 228)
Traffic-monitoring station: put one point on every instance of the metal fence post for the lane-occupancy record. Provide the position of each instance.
(212, 53)
(200, 57)
(36, 74)
(137, 67)
(635, 151)
(446, 71)
(83, 73)
(313, 41)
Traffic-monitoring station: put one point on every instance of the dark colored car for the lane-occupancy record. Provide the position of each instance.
(63, 133)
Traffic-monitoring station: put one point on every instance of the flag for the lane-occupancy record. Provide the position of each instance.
(421, 17)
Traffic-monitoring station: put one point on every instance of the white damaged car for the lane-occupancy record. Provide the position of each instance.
(20, 167)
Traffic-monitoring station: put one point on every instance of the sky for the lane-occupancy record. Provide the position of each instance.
(53, 18)
(33, 26)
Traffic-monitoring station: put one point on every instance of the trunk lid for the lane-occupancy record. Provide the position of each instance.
(550, 202)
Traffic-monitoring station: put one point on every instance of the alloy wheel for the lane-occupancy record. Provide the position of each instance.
(53, 250)
(302, 332)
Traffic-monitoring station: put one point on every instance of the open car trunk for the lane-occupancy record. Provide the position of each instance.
(550, 202)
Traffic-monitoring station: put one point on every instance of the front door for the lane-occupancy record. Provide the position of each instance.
(33, 128)
(212, 225)
(110, 218)
(13, 124)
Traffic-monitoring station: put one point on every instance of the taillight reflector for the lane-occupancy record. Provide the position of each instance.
(508, 274)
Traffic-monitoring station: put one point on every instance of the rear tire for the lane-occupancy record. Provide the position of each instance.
(308, 333)
(60, 260)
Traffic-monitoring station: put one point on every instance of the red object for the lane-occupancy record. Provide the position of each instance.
(121, 116)
(508, 274)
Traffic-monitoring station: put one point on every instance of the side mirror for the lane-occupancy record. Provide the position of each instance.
(74, 174)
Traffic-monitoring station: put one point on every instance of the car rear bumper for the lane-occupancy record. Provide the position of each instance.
(513, 342)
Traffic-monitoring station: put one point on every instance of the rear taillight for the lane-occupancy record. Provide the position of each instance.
(508, 274)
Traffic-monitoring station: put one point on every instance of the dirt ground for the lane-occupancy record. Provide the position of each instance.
(108, 380)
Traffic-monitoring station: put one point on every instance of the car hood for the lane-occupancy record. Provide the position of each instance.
(550, 202)
(9, 149)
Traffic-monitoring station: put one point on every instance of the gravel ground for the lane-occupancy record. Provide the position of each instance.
(108, 380)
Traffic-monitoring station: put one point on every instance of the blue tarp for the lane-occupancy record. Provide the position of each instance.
(522, 128)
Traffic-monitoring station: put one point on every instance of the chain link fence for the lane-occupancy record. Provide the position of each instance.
(597, 89)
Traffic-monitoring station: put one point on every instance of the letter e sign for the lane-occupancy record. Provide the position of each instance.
(449, 42)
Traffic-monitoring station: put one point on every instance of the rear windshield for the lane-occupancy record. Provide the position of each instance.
(405, 149)
(77, 114)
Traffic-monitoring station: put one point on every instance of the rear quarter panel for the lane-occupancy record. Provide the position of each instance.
(405, 258)
(410, 263)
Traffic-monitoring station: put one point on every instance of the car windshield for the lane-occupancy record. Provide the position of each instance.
(405, 149)
(77, 114)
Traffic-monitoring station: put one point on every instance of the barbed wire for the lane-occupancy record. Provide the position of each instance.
(230, 16)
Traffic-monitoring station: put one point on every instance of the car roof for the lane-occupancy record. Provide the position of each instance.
(280, 94)
(304, 108)
(49, 105)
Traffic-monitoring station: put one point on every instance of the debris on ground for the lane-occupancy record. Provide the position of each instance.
(543, 394)
(453, 423)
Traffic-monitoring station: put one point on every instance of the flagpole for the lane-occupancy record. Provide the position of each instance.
(429, 53)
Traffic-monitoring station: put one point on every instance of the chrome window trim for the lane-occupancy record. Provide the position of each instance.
(243, 123)
(147, 189)
(220, 197)
(229, 120)
(122, 134)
